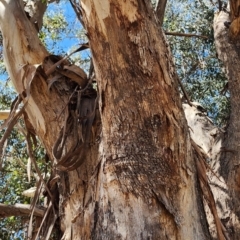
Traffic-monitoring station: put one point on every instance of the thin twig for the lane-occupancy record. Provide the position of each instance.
(43, 221)
(51, 204)
(179, 34)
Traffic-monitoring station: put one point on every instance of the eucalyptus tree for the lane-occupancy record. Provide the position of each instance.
(124, 162)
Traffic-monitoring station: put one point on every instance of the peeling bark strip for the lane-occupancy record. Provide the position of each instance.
(207, 142)
(28, 63)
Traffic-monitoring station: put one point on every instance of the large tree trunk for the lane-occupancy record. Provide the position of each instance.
(140, 182)
(145, 185)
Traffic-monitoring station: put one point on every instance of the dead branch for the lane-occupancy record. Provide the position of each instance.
(184, 91)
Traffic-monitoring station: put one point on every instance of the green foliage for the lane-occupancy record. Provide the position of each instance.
(12, 228)
(54, 24)
(14, 180)
(13, 176)
(195, 58)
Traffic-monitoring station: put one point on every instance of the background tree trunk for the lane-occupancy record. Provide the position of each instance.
(228, 52)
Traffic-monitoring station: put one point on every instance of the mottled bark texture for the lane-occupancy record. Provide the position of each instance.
(234, 28)
(229, 52)
(35, 10)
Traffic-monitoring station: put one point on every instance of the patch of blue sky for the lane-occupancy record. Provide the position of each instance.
(72, 37)
(69, 37)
